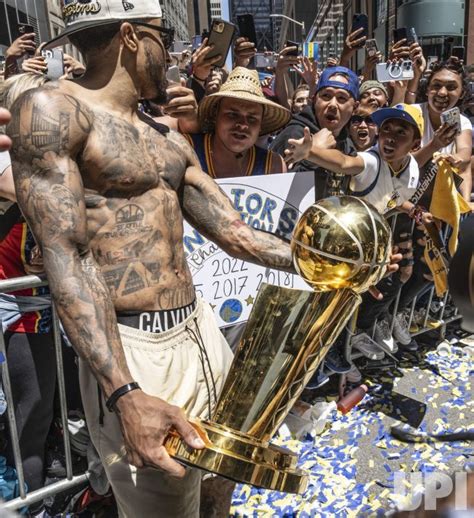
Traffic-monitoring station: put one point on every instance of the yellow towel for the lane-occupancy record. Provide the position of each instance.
(447, 205)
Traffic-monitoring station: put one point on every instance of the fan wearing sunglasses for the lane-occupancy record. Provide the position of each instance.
(362, 128)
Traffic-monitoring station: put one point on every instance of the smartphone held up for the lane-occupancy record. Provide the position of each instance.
(220, 38)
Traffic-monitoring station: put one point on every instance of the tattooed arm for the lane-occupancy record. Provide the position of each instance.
(210, 211)
(48, 130)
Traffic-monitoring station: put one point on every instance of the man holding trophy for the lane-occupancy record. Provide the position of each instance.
(105, 194)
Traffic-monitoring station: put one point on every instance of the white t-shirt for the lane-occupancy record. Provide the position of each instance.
(378, 186)
(5, 162)
(429, 131)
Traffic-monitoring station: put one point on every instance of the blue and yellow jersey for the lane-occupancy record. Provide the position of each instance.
(260, 159)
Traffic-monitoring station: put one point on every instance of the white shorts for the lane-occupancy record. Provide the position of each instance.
(172, 366)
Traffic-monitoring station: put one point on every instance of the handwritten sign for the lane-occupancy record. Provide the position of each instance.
(269, 203)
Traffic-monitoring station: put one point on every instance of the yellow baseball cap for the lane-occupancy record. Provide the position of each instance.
(407, 112)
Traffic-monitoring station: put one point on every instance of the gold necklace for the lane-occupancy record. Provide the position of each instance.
(250, 154)
(396, 173)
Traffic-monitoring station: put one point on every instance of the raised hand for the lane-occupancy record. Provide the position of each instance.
(35, 65)
(73, 66)
(298, 149)
(181, 102)
(444, 136)
(244, 51)
(418, 59)
(399, 50)
(25, 44)
(201, 63)
(308, 71)
(354, 40)
(285, 61)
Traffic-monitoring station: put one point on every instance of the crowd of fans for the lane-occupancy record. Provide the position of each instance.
(299, 115)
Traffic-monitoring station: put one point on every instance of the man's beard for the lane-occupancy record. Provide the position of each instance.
(157, 78)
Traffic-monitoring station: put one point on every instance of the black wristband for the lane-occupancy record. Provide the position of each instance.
(117, 394)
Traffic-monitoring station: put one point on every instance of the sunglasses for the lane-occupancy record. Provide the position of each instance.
(357, 120)
(166, 35)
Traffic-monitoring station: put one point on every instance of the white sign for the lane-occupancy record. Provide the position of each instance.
(271, 203)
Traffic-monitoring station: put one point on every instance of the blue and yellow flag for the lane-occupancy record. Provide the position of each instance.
(311, 50)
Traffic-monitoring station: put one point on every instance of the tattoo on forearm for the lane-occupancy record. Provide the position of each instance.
(211, 212)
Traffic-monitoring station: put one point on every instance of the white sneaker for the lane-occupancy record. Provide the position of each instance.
(370, 349)
(384, 337)
(400, 329)
(354, 375)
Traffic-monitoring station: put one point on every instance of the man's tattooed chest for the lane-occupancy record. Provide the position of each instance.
(125, 160)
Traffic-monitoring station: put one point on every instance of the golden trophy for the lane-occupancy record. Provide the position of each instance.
(341, 246)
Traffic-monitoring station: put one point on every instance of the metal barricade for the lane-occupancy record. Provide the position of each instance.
(441, 322)
(71, 480)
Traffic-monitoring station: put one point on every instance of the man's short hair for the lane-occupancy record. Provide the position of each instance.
(94, 39)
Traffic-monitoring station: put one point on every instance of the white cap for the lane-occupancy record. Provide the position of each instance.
(83, 14)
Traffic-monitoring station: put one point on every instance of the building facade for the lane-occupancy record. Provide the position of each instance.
(216, 9)
(199, 16)
(56, 25)
(266, 27)
(14, 12)
(328, 28)
(175, 13)
(439, 24)
(302, 11)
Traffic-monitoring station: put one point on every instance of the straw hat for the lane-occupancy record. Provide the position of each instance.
(244, 84)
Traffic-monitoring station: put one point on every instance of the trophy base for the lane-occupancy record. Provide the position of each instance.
(240, 457)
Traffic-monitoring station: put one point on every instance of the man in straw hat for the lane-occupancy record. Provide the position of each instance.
(105, 193)
(234, 118)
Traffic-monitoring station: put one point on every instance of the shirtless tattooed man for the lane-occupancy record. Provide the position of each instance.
(105, 195)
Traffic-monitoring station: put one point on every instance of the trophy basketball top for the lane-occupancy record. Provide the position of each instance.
(341, 242)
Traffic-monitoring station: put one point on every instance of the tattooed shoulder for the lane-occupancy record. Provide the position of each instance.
(48, 120)
(184, 147)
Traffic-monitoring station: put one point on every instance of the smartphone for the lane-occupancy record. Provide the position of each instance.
(173, 76)
(400, 34)
(246, 26)
(55, 61)
(458, 52)
(221, 36)
(197, 40)
(452, 117)
(25, 28)
(311, 50)
(290, 43)
(401, 71)
(470, 87)
(411, 36)
(360, 21)
(371, 47)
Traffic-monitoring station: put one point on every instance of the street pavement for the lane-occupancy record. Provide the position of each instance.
(352, 463)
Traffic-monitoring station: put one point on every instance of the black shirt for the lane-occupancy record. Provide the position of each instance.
(327, 182)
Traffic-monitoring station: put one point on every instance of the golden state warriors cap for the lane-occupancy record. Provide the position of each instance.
(407, 112)
(84, 14)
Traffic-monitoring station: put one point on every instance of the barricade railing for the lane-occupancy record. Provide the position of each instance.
(71, 480)
(441, 322)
